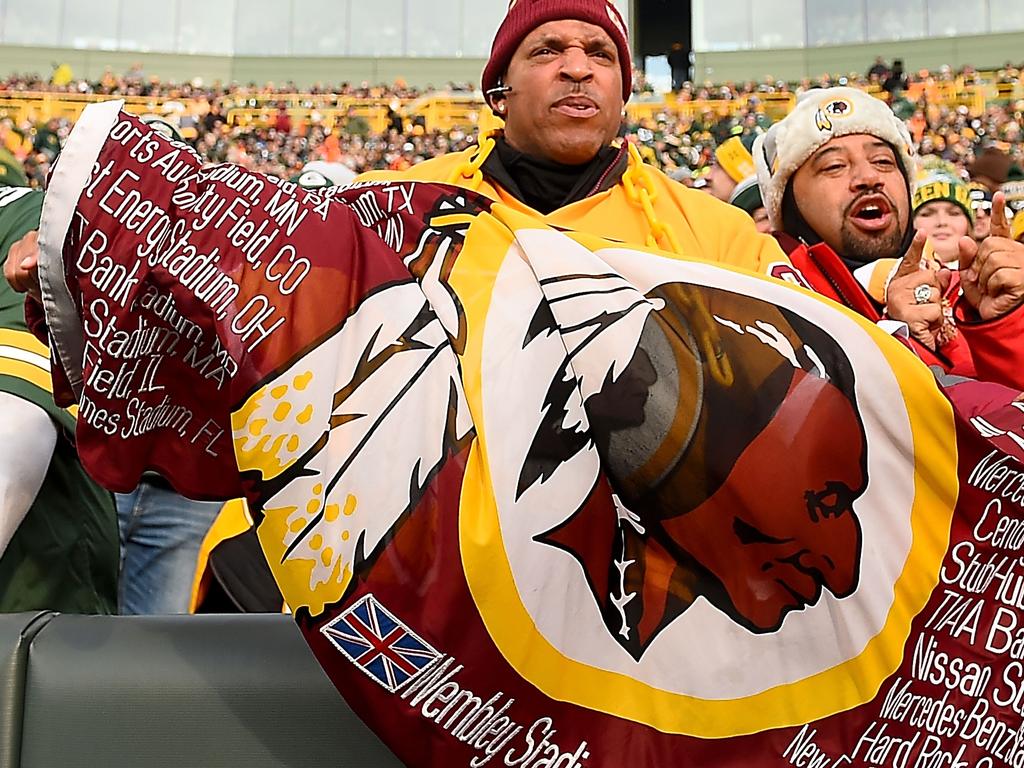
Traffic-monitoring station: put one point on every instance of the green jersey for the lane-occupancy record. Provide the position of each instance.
(12, 173)
(65, 554)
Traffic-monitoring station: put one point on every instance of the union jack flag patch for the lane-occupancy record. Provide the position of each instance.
(379, 644)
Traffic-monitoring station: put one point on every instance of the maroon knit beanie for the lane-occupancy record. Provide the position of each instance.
(524, 16)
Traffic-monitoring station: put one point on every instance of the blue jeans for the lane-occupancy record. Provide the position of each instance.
(161, 533)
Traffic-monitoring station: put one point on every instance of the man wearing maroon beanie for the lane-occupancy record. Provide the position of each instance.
(582, 110)
(559, 75)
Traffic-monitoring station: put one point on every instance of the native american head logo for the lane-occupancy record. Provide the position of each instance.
(838, 108)
(832, 108)
(731, 483)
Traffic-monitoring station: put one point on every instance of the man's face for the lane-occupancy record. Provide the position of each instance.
(720, 184)
(982, 220)
(566, 97)
(853, 195)
(761, 222)
(772, 541)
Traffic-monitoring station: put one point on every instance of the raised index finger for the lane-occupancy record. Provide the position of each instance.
(911, 261)
(1000, 224)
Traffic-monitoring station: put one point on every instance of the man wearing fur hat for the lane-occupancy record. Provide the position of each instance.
(559, 75)
(836, 179)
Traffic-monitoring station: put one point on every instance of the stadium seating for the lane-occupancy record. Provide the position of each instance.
(444, 110)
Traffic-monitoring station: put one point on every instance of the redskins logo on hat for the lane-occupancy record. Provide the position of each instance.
(832, 108)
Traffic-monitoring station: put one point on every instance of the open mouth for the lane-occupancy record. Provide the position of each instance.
(871, 213)
(576, 106)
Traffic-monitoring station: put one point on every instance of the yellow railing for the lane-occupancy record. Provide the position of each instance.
(775, 106)
(445, 111)
(375, 114)
(41, 106)
(441, 112)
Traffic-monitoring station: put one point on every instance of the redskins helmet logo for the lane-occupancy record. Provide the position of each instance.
(833, 108)
(838, 108)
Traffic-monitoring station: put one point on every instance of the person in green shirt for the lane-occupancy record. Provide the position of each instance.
(11, 171)
(154, 543)
(58, 529)
(47, 139)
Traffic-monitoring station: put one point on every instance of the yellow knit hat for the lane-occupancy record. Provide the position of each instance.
(735, 159)
(1017, 226)
(1014, 191)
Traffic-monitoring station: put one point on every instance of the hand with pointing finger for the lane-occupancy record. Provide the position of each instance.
(992, 274)
(914, 295)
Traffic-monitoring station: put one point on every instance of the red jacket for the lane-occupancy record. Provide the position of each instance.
(989, 350)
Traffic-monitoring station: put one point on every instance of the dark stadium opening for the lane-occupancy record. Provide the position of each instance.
(658, 25)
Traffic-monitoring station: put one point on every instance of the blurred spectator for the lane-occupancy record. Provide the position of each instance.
(213, 119)
(395, 122)
(991, 168)
(283, 121)
(47, 140)
(12, 172)
(896, 81)
(62, 75)
(747, 197)
(1014, 191)
(682, 139)
(981, 204)
(733, 164)
(679, 62)
(879, 70)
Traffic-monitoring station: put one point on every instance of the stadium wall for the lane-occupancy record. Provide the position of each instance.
(304, 71)
(981, 51)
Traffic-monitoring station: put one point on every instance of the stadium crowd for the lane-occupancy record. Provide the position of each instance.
(681, 142)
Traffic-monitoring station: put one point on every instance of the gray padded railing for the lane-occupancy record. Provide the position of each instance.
(16, 633)
(172, 692)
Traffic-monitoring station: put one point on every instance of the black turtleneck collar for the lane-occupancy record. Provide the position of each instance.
(547, 186)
